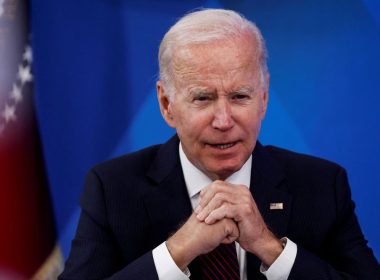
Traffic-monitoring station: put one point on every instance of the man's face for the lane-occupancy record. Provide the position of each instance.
(218, 105)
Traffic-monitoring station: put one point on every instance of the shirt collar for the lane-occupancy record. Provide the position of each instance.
(196, 180)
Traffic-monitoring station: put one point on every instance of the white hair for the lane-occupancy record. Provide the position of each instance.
(206, 26)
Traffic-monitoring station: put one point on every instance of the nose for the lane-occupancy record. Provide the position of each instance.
(223, 119)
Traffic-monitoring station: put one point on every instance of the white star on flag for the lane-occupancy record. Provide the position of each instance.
(16, 94)
(27, 55)
(9, 113)
(24, 74)
(1, 7)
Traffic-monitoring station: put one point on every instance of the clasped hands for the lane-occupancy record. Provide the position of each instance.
(226, 213)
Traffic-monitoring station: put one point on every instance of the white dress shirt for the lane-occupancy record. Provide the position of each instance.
(195, 181)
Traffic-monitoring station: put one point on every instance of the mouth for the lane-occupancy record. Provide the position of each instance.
(223, 146)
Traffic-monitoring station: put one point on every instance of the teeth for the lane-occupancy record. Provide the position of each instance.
(225, 146)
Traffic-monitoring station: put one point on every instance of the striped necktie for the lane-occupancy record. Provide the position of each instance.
(220, 264)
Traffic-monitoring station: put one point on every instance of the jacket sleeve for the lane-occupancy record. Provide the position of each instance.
(94, 253)
(348, 255)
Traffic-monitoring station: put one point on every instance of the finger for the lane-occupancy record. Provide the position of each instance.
(225, 211)
(229, 239)
(232, 232)
(206, 195)
(218, 200)
(236, 195)
(208, 192)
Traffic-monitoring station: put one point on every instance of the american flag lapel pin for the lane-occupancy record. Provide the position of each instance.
(276, 206)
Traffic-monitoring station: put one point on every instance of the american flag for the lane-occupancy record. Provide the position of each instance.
(27, 233)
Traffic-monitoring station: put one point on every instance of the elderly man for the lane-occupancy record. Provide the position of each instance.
(212, 202)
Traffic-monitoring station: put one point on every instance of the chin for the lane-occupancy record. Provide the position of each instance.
(228, 169)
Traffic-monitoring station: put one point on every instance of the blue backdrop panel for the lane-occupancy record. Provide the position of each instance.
(95, 73)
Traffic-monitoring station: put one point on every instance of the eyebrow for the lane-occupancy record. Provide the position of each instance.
(204, 90)
(200, 90)
(245, 90)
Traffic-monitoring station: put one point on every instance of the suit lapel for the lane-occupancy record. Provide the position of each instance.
(167, 202)
(268, 186)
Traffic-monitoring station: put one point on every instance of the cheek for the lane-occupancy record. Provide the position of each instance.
(194, 122)
(249, 117)
(188, 128)
(251, 125)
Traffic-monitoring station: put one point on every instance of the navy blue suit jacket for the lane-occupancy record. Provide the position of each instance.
(133, 203)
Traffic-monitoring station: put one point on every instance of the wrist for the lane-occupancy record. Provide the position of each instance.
(268, 249)
(180, 254)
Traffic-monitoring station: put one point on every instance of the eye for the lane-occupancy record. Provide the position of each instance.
(240, 96)
(201, 98)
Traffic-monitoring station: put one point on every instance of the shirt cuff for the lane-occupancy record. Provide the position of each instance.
(282, 266)
(166, 267)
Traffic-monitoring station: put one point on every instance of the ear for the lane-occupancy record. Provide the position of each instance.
(264, 104)
(165, 104)
(265, 97)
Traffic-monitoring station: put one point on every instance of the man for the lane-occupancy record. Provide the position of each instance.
(285, 215)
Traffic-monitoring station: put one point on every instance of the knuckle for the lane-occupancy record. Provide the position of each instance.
(213, 186)
(218, 184)
(245, 190)
(219, 197)
(247, 200)
(247, 209)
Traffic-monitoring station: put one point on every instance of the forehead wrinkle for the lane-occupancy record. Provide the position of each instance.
(198, 73)
(197, 64)
(183, 71)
